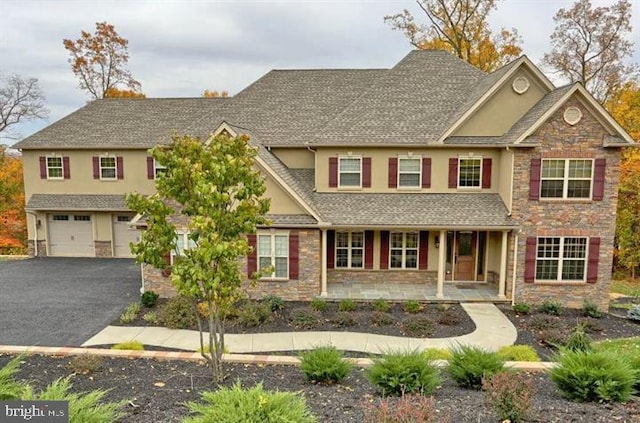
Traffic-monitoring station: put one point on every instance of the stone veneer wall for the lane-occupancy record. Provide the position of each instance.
(42, 248)
(567, 217)
(381, 276)
(103, 248)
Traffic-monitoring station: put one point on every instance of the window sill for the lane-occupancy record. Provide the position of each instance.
(567, 200)
(274, 280)
(351, 268)
(349, 188)
(55, 179)
(409, 188)
(558, 283)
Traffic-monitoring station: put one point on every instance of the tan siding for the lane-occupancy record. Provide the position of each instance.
(505, 175)
(281, 201)
(295, 158)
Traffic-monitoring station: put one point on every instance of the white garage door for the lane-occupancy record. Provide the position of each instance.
(122, 235)
(71, 235)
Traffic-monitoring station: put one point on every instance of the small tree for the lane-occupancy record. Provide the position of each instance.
(21, 100)
(215, 185)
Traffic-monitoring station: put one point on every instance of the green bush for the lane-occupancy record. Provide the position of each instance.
(381, 305)
(324, 364)
(274, 302)
(634, 313)
(177, 313)
(347, 304)
(411, 408)
(518, 353)
(130, 313)
(10, 389)
(522, 308)
(302, 319)
(149, 298)
(380, 318)
(578, 340)
(238, 405)
(437, 354)
(412, 307)
(590, 309)
(150, 317)
(319, 304)
(510, 394)
(542, 322)
(129, 345)
(253, 313)
(418, 326)
(398, 373)
(344, 319)
(470, 364)
(552, 307)
(597, 376)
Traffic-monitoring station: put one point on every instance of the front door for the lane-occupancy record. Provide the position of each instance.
(464, 259)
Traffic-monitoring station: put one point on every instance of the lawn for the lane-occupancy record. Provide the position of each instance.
(627, 286)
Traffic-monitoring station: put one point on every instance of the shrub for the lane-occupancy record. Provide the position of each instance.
(510, 394)
(541, 322)
(522, 308)
(347, 304)
(149, 298)
(150, 317)
(437, 354)
(381, 305)
(448, 318)
(130, 313)
(10, 389)
(319, 304)
(236, 404)
(177, 313)
(551, 337)
(86, 363)
(398, 373)
(129, 345)
(302, 319)
(274, 302)
(591, 326)
(470, 364)
(324, 364)
(406, 409)
(578, 340)
(418, 326)
(634, 313)
(344, 319)
(412, 307)
(590, 309)
(253, 313)
(518, 353)
(380, 318)
(552, 307)
(593, 376)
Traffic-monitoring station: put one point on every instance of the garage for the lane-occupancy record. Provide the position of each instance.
(71, 235)
(123, 235)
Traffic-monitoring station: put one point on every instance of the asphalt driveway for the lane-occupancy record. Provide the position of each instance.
(63, 301)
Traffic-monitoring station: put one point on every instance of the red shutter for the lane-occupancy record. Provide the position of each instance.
(331, 247)
(252, 258)
(96, 167)
(594, 258)
(43, 167)
(530, 260)
(293, 255)
(333, 172)
(66, 170)
(384, 249)
(366, 172)
(426, 172)
(119, 167)
(393, 172)
(368, 249)
(453, 172)
(423, 255)
(486, 173)
(150, 168)
(598, 179)
(167, 259)
(534, 179)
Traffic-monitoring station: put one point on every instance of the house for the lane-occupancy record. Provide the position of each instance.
(430, 177)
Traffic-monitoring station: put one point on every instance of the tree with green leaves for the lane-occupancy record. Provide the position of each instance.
(214, 184)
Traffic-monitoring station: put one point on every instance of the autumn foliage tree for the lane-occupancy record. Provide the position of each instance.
(215, 94)
(460, 27)
(624, 106)
(628, 215)
(100, 61)
(117, 93)
(13, 232)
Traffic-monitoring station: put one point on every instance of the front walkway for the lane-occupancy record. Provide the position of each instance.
(493, 330)
(461, 291)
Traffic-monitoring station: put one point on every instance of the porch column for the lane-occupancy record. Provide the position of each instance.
(441, 264)
(323, 264)
(503, 265)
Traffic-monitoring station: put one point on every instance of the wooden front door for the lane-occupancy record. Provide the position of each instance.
(465, 254)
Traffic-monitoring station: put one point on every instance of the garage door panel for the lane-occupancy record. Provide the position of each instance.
(123, 235)
(71, 235)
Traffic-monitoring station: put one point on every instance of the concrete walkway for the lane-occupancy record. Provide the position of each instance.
(493, 330)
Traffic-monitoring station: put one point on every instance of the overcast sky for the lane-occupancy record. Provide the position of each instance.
(179, 48)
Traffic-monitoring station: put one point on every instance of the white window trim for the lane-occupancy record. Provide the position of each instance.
(115, 167)
(359, 172)
(419, 173)
(156, 167)
(560, 260)
(404, 250)
(349, 249)
(185, 242)
(565, 179)
(272, 234)
(55, 178)
(480, 159)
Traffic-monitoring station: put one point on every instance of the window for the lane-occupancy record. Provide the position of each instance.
(60, 217)
(566, 178)
(82, 218)
(350, 172)
(107, 168)
(123, 218)
(273, 250)
(561, 259)
(183, 242)
(350, 250)
(409, 172)
(404, 250)
(158, 169)
(469, 173)
(54, 168)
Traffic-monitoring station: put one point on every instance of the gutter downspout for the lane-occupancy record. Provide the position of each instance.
(515, 268)
(35, 232)
(315, 164)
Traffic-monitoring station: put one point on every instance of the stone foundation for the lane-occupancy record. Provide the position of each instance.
(42, 248)
(381, 276)
(155, 281)
(103, 248)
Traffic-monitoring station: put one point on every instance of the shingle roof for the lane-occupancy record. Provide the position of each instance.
(291, 219)
(87, 202)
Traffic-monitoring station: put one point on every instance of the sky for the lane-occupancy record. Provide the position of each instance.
(179, 48)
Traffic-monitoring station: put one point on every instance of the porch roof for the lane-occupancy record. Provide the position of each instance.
(457, 210)
(90, 202)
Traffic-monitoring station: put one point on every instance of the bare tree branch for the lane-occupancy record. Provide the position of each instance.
(20, 100)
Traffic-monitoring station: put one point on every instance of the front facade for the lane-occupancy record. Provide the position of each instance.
(430, 178)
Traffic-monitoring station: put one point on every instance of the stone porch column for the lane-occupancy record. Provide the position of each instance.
(503, 265)
(441, 264)
(323, 264)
